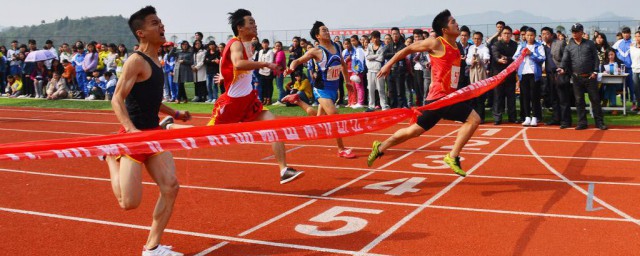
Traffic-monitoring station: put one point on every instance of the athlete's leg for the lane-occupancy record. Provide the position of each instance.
(278, 147)
(126, 181)
(328, 108)
(465, 133)
(401, 136)
(163, 171)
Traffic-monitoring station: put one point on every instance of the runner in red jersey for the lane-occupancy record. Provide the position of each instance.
(240, 101)
(445, 71)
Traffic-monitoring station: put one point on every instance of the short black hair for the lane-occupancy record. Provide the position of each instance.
(396, 29)
(417, 31)
(548, 29)
(501, 23)
(465, 29)
(532, 30)
(506, 28)
(136, 21)
(375, 34)
(265, 41)
(200, 34)
(626, 30)
(48, 41)
(441, 21)
(237, 19)
(315, 30)
(524, 28)
(478, 33)
(32, 41)
(108, 73)
(14, 41)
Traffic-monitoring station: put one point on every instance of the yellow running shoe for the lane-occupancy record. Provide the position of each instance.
(454, 163)
(375, 154)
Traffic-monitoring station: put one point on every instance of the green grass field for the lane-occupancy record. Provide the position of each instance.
(631, 119)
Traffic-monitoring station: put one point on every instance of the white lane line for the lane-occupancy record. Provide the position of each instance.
(328, 198)
(536, 214)
(334, 168)
(410, 216)
(334, 190)
(51, 132)
(106, 112)
(54, 120)
(180, 232)
(575, 186)
(288, 151)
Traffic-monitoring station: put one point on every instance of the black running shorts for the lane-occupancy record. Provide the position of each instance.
(456, 112)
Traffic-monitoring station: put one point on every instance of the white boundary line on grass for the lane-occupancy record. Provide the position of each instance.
(338, 199)
(181, 232)
(429, 202)
(575, 186)
(274, 219)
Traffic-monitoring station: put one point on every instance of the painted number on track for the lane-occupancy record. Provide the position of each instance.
(471, 145)
(353, 224)
(406, 185)
(436, 163)
(490, 131)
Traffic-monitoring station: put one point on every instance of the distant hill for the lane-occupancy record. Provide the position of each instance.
(109, 29)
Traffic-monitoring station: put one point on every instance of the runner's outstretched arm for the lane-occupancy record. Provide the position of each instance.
(241, 64)
(428, 45)
(314, 53)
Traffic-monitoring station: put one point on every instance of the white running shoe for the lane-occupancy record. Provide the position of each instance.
(527, 121)
(356, 106)
(161, 250)
(534, 122)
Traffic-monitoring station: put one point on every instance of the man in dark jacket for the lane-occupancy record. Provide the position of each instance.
(502, 53)
(558, 88)
(580, 59)
(395, 81)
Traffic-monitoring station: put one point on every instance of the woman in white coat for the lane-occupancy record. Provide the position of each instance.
(199, 72)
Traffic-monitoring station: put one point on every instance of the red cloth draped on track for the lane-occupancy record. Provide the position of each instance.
(295, 129)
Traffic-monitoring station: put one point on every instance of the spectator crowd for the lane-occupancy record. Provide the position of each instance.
(556, 74)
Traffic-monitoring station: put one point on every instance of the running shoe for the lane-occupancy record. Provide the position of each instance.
(166, 122)
(289, 174)
(291, 98)
(375, 153)
(161, 250)
(454, 163)
(346, 153)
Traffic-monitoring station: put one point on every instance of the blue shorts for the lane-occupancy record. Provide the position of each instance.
(331, 94)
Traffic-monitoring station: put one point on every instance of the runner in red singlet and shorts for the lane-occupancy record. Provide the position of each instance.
(240, 101)
(445, 71)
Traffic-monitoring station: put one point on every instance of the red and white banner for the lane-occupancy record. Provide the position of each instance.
(295, 129)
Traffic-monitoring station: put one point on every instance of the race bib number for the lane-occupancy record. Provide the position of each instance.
(455, 76)
(333, 73)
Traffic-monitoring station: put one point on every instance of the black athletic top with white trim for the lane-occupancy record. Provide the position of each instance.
(144, 100)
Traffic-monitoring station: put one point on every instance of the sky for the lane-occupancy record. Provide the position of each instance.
(210, 15)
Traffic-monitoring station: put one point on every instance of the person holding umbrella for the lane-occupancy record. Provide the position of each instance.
(39, 73)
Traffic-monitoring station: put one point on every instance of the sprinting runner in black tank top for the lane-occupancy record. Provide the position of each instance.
(144, 100)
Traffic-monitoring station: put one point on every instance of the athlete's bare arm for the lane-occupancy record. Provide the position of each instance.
(241, 64)
(181, 115)
(431, 45)
(132, 72)
(314, 53)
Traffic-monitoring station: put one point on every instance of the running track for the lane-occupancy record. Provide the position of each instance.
(526, 194)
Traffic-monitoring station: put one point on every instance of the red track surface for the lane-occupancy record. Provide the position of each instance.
(231, 202)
